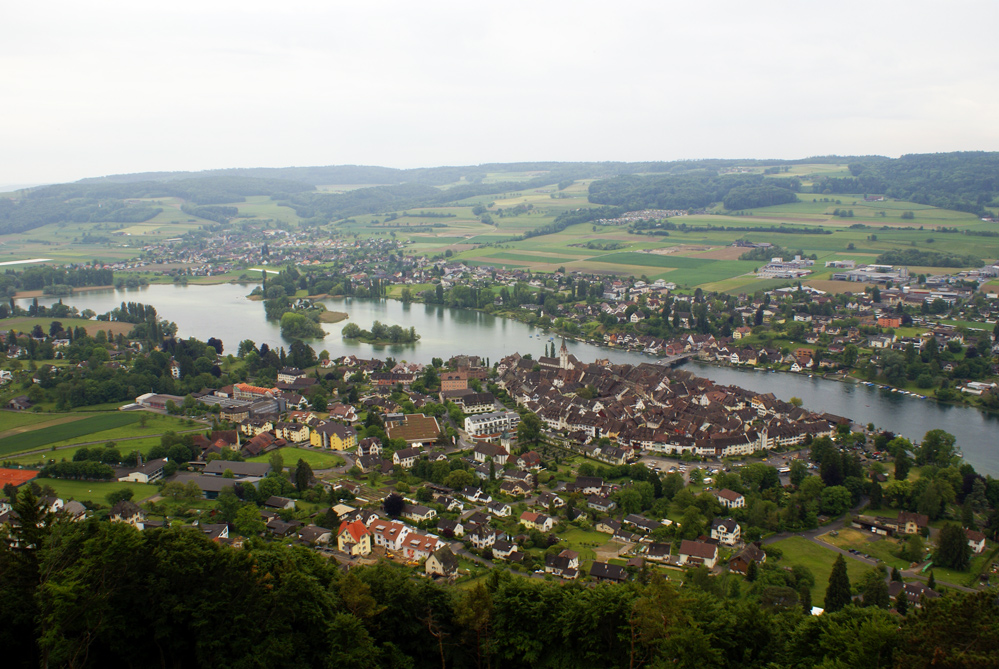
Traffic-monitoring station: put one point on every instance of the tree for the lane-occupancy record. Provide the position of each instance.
(903, 463)
(838, 591)
(931, 582)
(937, 448)
(303, 476)
(122, 495)
(394, 504)
(277, 461)
(913, 549)
(529, 430)
(228, 504)
(795, 401)
(248, 521)
(952, 548)
(876, 590)
(902, 603)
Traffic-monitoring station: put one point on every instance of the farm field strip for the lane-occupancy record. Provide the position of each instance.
(65, 431)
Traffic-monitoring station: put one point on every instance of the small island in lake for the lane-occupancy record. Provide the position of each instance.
(381, 333)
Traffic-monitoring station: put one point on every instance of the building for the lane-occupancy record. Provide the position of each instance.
(415, 429)
(146, 473)
(730, 499)
(726, 531)
(696, 553)
(442, 562)
(353, 538)
(334, 436)
(492, 424)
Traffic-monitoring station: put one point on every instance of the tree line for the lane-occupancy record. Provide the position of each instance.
(104, 594)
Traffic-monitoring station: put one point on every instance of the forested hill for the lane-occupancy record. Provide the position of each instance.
(551, 172)
(106, 201)
(967, 181)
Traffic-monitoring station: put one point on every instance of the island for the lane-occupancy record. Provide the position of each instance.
(381, 333)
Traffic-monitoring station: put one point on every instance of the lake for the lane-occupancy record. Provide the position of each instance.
(224, 312)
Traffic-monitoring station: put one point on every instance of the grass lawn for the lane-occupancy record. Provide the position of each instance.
(801, 551)
(872, 544)
(584, 541)
(315, 459)
(96, 492)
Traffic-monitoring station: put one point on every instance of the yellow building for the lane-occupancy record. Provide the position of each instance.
(334, 436)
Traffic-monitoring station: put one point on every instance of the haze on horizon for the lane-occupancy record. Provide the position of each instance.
(123, 87)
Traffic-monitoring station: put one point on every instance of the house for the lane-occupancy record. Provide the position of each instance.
(589, 485)
(442, 562)
(696, 553)
(335, 436)
(315, 535)
(915, 592)
(418, 513)
(726, 531)
(730, 499)
(353, 538)
(912, 523)
(280, 503)
(483, 537)
(450, 528)
(19, 403)
(657, 552)
(976, 540)
(127, 512)
(562, 565)
(215, 531)
(502, 550)
(146, 473)
(602, 504)
(406, 457)
(603, 571)
(418, 546)
(487, 451)
(476, 495)
(537, 521)
(499, 509)
(751, 553)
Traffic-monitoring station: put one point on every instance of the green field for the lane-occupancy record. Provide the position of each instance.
(47, 457)
(315, 459)
(801, 551)
(88, 491)
(65, 431)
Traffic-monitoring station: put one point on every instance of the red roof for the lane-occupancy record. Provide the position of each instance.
(357, 529)
(16, 476)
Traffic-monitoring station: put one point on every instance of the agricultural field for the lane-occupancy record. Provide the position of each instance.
(126, 446)
(108, 426)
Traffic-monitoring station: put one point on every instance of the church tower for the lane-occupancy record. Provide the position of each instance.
(563, 356)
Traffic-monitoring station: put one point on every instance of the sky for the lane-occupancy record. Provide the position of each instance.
(111, 87)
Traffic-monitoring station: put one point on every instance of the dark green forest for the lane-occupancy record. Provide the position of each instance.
(99, 594)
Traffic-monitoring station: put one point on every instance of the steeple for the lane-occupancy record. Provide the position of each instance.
(563, 356)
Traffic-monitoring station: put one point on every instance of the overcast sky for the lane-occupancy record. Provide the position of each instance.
(95, 88)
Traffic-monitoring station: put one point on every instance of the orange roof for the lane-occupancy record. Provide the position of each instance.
(357, 529)
(16, 476)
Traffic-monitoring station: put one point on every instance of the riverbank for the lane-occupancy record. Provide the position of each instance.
(31, 294)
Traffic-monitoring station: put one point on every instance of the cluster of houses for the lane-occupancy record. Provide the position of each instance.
(649, 408)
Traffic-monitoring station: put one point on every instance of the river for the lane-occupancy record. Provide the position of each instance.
(224, 312)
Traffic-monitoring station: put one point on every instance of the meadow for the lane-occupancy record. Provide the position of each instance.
(802, 552)
(107, 426)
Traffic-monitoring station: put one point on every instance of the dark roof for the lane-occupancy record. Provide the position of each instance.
(608, 571)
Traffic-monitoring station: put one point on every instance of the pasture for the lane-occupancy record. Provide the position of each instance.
(63, 431)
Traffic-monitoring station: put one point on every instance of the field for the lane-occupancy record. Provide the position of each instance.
(701, 257)
(64, 431)
(143, 446)
(102, 427)
(89, 491)
(27, 323)
(874, 545)
(801, 551)
(315, 459)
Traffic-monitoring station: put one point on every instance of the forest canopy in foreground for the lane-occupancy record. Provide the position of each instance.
(103, 595)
